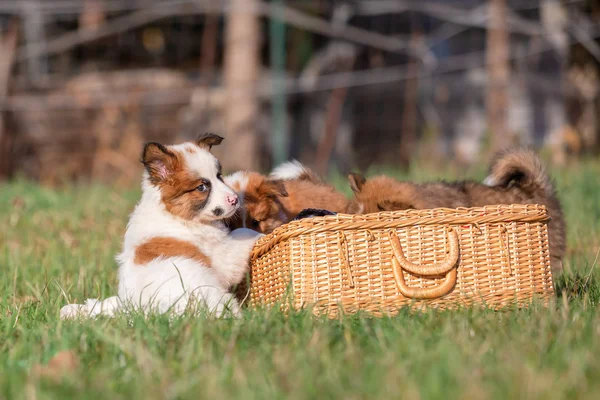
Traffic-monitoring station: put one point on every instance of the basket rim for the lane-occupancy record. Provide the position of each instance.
(400, 219)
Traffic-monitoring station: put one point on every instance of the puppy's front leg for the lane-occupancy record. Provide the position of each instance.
(232, 256)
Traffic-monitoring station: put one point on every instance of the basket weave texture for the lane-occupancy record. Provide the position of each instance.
(493, 256)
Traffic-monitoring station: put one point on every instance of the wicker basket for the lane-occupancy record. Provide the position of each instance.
(492, 256)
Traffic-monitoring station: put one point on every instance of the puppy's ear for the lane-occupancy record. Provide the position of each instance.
(394, 205)
(356, 181)
(159, 161)
(208, 140)
(274, 188)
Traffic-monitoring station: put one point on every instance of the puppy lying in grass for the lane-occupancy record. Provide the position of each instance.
(516, 176)
(178, 253)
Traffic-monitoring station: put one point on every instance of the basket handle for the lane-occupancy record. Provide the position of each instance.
(419, 293)
(434, 270)
(399, 263)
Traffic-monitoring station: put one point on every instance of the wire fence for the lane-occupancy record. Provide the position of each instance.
(336, 84)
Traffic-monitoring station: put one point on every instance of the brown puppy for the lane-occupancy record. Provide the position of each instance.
(269, 202)
(516, 176)
(259, 196)
(382, 193)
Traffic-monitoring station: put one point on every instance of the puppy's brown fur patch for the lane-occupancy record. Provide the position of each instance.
(166, 247)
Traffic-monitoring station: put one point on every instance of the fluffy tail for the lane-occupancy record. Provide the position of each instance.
(294, 170)
(522, 167)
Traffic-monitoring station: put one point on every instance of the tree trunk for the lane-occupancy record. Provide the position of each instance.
(34, 32)
(242, 67)
(333, 116)
(8, 45)
(498, 71)
(208, 51)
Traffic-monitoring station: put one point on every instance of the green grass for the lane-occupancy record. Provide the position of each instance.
(59, 245)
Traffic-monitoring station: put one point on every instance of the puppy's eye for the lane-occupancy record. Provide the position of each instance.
(254, 222)
(380, 207)
(201, 188)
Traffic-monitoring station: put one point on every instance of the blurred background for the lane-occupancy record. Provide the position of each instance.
(339, 85)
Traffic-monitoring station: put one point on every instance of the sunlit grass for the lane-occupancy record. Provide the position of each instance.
(59, 245)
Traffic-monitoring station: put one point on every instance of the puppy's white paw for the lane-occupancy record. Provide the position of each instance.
(91, 309)
(72, 311)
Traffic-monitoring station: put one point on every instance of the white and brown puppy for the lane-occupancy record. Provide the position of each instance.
(177, 252)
